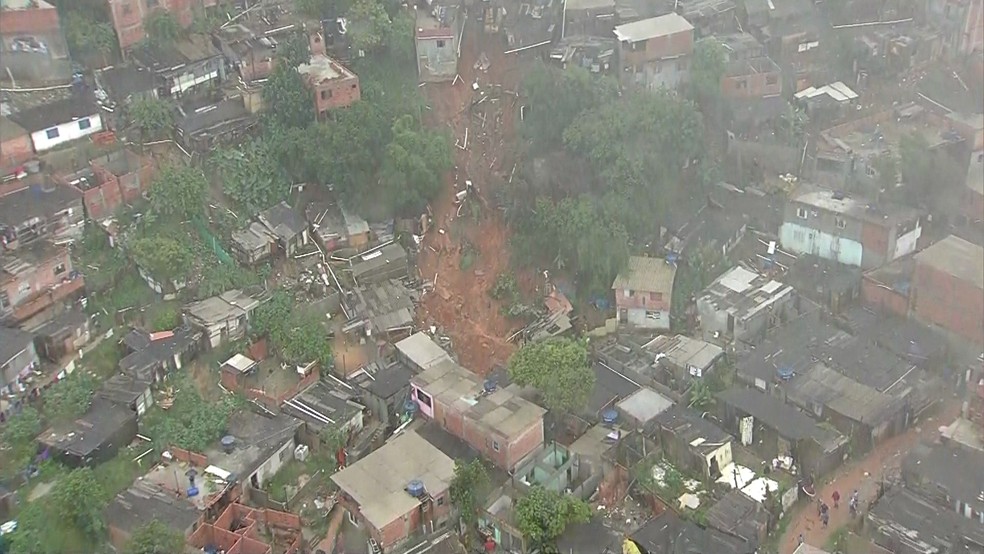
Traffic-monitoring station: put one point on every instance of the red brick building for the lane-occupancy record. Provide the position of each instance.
(332, 84)
(111, 181)
(398, 491)
(655, 52)
(243, 529)
(34, 278)
(128, 16)
(751, 78)
(948, 287)
(499, 424)
(15, 146)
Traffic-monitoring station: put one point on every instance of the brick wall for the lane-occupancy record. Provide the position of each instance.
(752, 85)
(951, 303)
(15, 151)
(521, 447)
(670, 46)
(336, 93)
(882, 298)
(188, 457)
(37, 21)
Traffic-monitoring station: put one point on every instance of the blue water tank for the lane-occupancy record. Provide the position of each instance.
(609, 416)
(490, 385)
(410, 407)
(415, 488)
(192, 492)
(784, 373)
(228, 443)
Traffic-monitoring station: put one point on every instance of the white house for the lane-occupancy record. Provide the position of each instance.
(51, 125)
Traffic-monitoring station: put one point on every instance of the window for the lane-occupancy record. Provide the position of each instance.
(771, 80)
(325, 94)
(440, 44)
(84, 124)
(841, 222)
(495, 445)
(870, 171)
(656, 296)
(626, 293)
(52, 133)
(354, 86)
(801, 213)
(424, 398)
(59, 269)
(655, 316)
(440, 500)
(741, 84)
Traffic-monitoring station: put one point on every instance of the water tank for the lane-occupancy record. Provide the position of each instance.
(490, 385)
(415, 488)
(784, 373)
(609, 417)
(228, 444)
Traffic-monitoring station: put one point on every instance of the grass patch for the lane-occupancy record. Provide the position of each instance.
(104, 359)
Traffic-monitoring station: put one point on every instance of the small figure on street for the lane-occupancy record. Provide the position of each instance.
(801, 538)
(825, 518)
(824, 509)
(836, 497)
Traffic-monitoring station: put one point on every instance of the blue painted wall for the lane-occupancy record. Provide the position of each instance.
(804, 240)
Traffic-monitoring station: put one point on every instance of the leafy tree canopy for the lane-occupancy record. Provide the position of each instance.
(89, 37)
(161, 27)
(151, 115)
(295, 50)
(163, 257)
(179, 192)
(192, 423)
(70, 398)
(542, 515)
(578, 234)
(304, 340)
(468, 489)
(251, 175)
(369, 25)
(271, 316)
(558, 368)
(80, 499)
(287, 99)
(22, 428)
(413, 164)
(556, 97)
(709, 64)
(154, 538)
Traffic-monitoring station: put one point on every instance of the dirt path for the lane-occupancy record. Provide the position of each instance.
(460, 304)
(863, 476)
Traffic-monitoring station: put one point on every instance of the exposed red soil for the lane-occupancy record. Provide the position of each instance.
(460, 304)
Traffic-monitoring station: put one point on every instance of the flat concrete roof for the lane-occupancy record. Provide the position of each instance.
(956, 257)
(502, 411)
(653, 27)
(644, 405)
(378, 482)
(421, 349)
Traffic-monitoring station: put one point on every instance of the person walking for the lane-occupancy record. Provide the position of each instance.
(825, 518)
(836, 497)
(801, 538)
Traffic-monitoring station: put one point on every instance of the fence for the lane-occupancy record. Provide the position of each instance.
(212, 242)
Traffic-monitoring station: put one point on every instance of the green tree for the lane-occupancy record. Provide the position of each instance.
(163, 257)
(168, 317)
(154, 537)
(271, 316)
(179, 192)
(70, 398)
(79, 499)
(369, 25)
(708, 68)
(543, 515)
(251, 175)
(469, 486)
(153, 116)
(413, 164)
(162, 28)
(333, 438)
(701, 396)
(321, 9)
(87, 37)
(558, 368)
(295, 50)
(287, 99)
(556, 97)
(23, 427)
(304, 340)
(191, 423)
